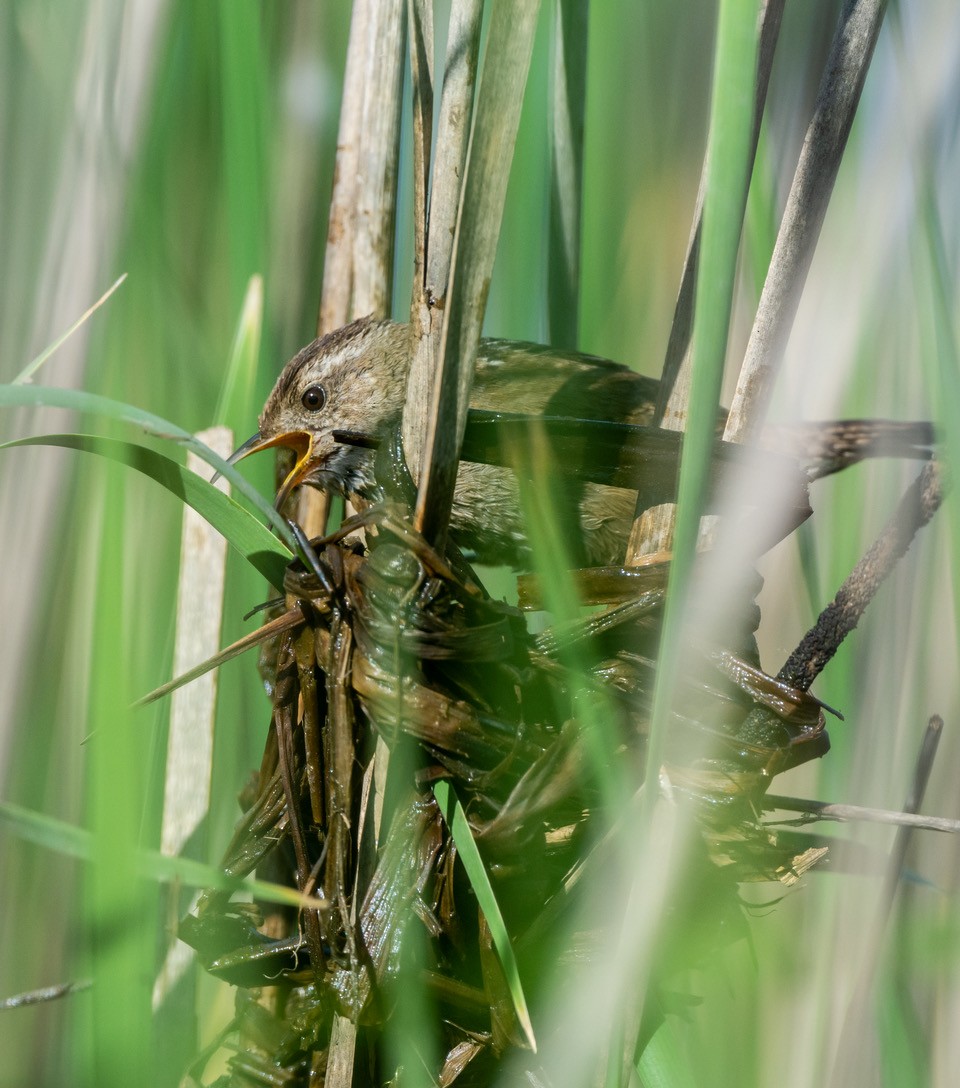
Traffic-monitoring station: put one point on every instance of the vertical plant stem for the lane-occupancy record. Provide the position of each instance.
(431, 285)
(856, 1045)
(566, 190)
(675, 380)
(420, 19)
(377, 160)
(188, 773)
(359, 254)
(724, 196)
(121, 919)
(338, 258)
(506, 63)
(653, 529)
(807, 202)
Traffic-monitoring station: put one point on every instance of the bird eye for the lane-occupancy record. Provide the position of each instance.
(314, 398)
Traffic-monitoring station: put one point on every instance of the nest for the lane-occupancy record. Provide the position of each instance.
(394, 671)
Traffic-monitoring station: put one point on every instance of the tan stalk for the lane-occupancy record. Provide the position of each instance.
(813, 182)
(506, 63)
(436, 231)
(359, 255)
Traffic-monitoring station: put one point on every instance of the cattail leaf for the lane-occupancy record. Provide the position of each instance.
(251, 539)
(80, 401)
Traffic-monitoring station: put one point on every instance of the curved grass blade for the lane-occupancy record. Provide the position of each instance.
(77, 842)
(34, 365)
(251, 539)
(456, 820)
(268, 630)
(78, 400)
(236, 406)
(663, 1062)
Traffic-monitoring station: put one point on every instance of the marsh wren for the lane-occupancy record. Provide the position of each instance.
(355, 380)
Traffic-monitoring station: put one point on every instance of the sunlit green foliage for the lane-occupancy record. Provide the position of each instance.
(191, 146)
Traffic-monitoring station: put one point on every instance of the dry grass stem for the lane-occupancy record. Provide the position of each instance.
(436, 233)
(568, 106)
(810, 193)
(507, 60)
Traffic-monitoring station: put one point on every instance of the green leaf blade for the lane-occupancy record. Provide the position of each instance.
(243, 532)
(456, 821)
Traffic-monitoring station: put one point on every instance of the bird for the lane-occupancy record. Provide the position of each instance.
(353, 381)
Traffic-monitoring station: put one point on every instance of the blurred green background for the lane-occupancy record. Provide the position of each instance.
(191, 146)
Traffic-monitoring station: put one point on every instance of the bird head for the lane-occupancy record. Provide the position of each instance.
(351, 380)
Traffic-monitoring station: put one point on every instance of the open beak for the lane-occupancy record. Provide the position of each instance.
(301, 442)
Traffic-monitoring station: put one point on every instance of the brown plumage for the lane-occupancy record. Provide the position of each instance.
(355, 380)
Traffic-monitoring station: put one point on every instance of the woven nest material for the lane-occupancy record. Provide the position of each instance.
(396, 672)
